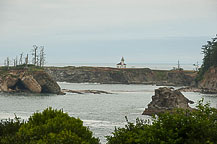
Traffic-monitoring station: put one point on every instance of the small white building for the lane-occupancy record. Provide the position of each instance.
(121, 64)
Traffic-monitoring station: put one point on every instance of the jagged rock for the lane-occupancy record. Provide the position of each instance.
(166, 99)
(96, 92)
(8, 83)
(47, 84)
(11, 81)
(31, 84)
(71, 91)
(85, 91)
(190, 89)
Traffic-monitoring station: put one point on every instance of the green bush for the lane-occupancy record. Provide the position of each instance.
(8, 129)
(51, 127)
(181, 127)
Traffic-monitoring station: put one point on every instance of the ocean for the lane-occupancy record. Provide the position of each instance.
(100, 112)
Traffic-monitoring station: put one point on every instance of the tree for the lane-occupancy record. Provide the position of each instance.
(21, 59)
(8, 130)
(38, 57)
(8, 62)
(35, 55)
(210, 57)
(15, 62)
(42, 57)
(48, 127)
(181, 127)
(27, 59)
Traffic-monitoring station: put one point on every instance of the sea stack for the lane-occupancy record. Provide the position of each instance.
(33, 80)
(166, 99)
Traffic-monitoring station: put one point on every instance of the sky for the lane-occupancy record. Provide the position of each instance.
(102, 31)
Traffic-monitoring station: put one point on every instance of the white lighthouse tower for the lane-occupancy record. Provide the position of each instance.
(121, 64)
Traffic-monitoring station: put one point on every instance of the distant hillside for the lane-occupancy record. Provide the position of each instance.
(106, 75)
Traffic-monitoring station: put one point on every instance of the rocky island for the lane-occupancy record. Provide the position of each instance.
(27, 79)
(166, 99)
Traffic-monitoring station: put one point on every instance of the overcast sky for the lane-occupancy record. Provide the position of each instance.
(102, 31)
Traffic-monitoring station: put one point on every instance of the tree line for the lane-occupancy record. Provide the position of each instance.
(209, 51)
(38, 58)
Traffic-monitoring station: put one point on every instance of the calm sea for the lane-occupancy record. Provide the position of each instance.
(101, 112)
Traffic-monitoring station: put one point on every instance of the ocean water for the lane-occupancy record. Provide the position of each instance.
(100, 112)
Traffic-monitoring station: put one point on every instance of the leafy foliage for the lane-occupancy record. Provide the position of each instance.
(51, 127)
(210, 57)
(8, 129)
(181, 127)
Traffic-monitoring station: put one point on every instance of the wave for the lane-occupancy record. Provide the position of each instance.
(100, 123)
(86, 83)
(131, 91)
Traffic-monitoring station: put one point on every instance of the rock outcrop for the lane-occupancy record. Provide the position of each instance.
(209, 82)
(166, 99)
(106, 75)
(48, 85)
(85, 91)
(190, 89)
(24, 80)
(31, 84)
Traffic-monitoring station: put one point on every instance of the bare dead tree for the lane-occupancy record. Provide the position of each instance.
(8, 62)
(34, 54)
(21, 59)
(14, 62)
(27, 59)
(42, 57)
(37, 59)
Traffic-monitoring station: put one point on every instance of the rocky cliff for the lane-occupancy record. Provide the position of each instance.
(166, 99)
(209, 82)
(27, 80)
(107, 75)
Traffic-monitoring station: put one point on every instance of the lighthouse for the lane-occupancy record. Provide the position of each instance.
(121, 64)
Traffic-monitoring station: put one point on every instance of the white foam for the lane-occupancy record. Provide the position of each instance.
(99, 123)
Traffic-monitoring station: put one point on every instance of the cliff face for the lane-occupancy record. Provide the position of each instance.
(27, 81)
(100, 75)
(119, 76)
(209, 82)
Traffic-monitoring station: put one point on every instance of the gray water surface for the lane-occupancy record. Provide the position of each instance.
(101, 112)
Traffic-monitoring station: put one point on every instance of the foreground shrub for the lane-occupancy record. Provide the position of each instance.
(50, 127)
(181, 127)
(8, 129)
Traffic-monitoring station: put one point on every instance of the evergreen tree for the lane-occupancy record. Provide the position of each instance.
(210, 57)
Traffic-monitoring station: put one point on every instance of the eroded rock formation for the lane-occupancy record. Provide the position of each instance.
(166, 99)
(28, 81)
(31, 84)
